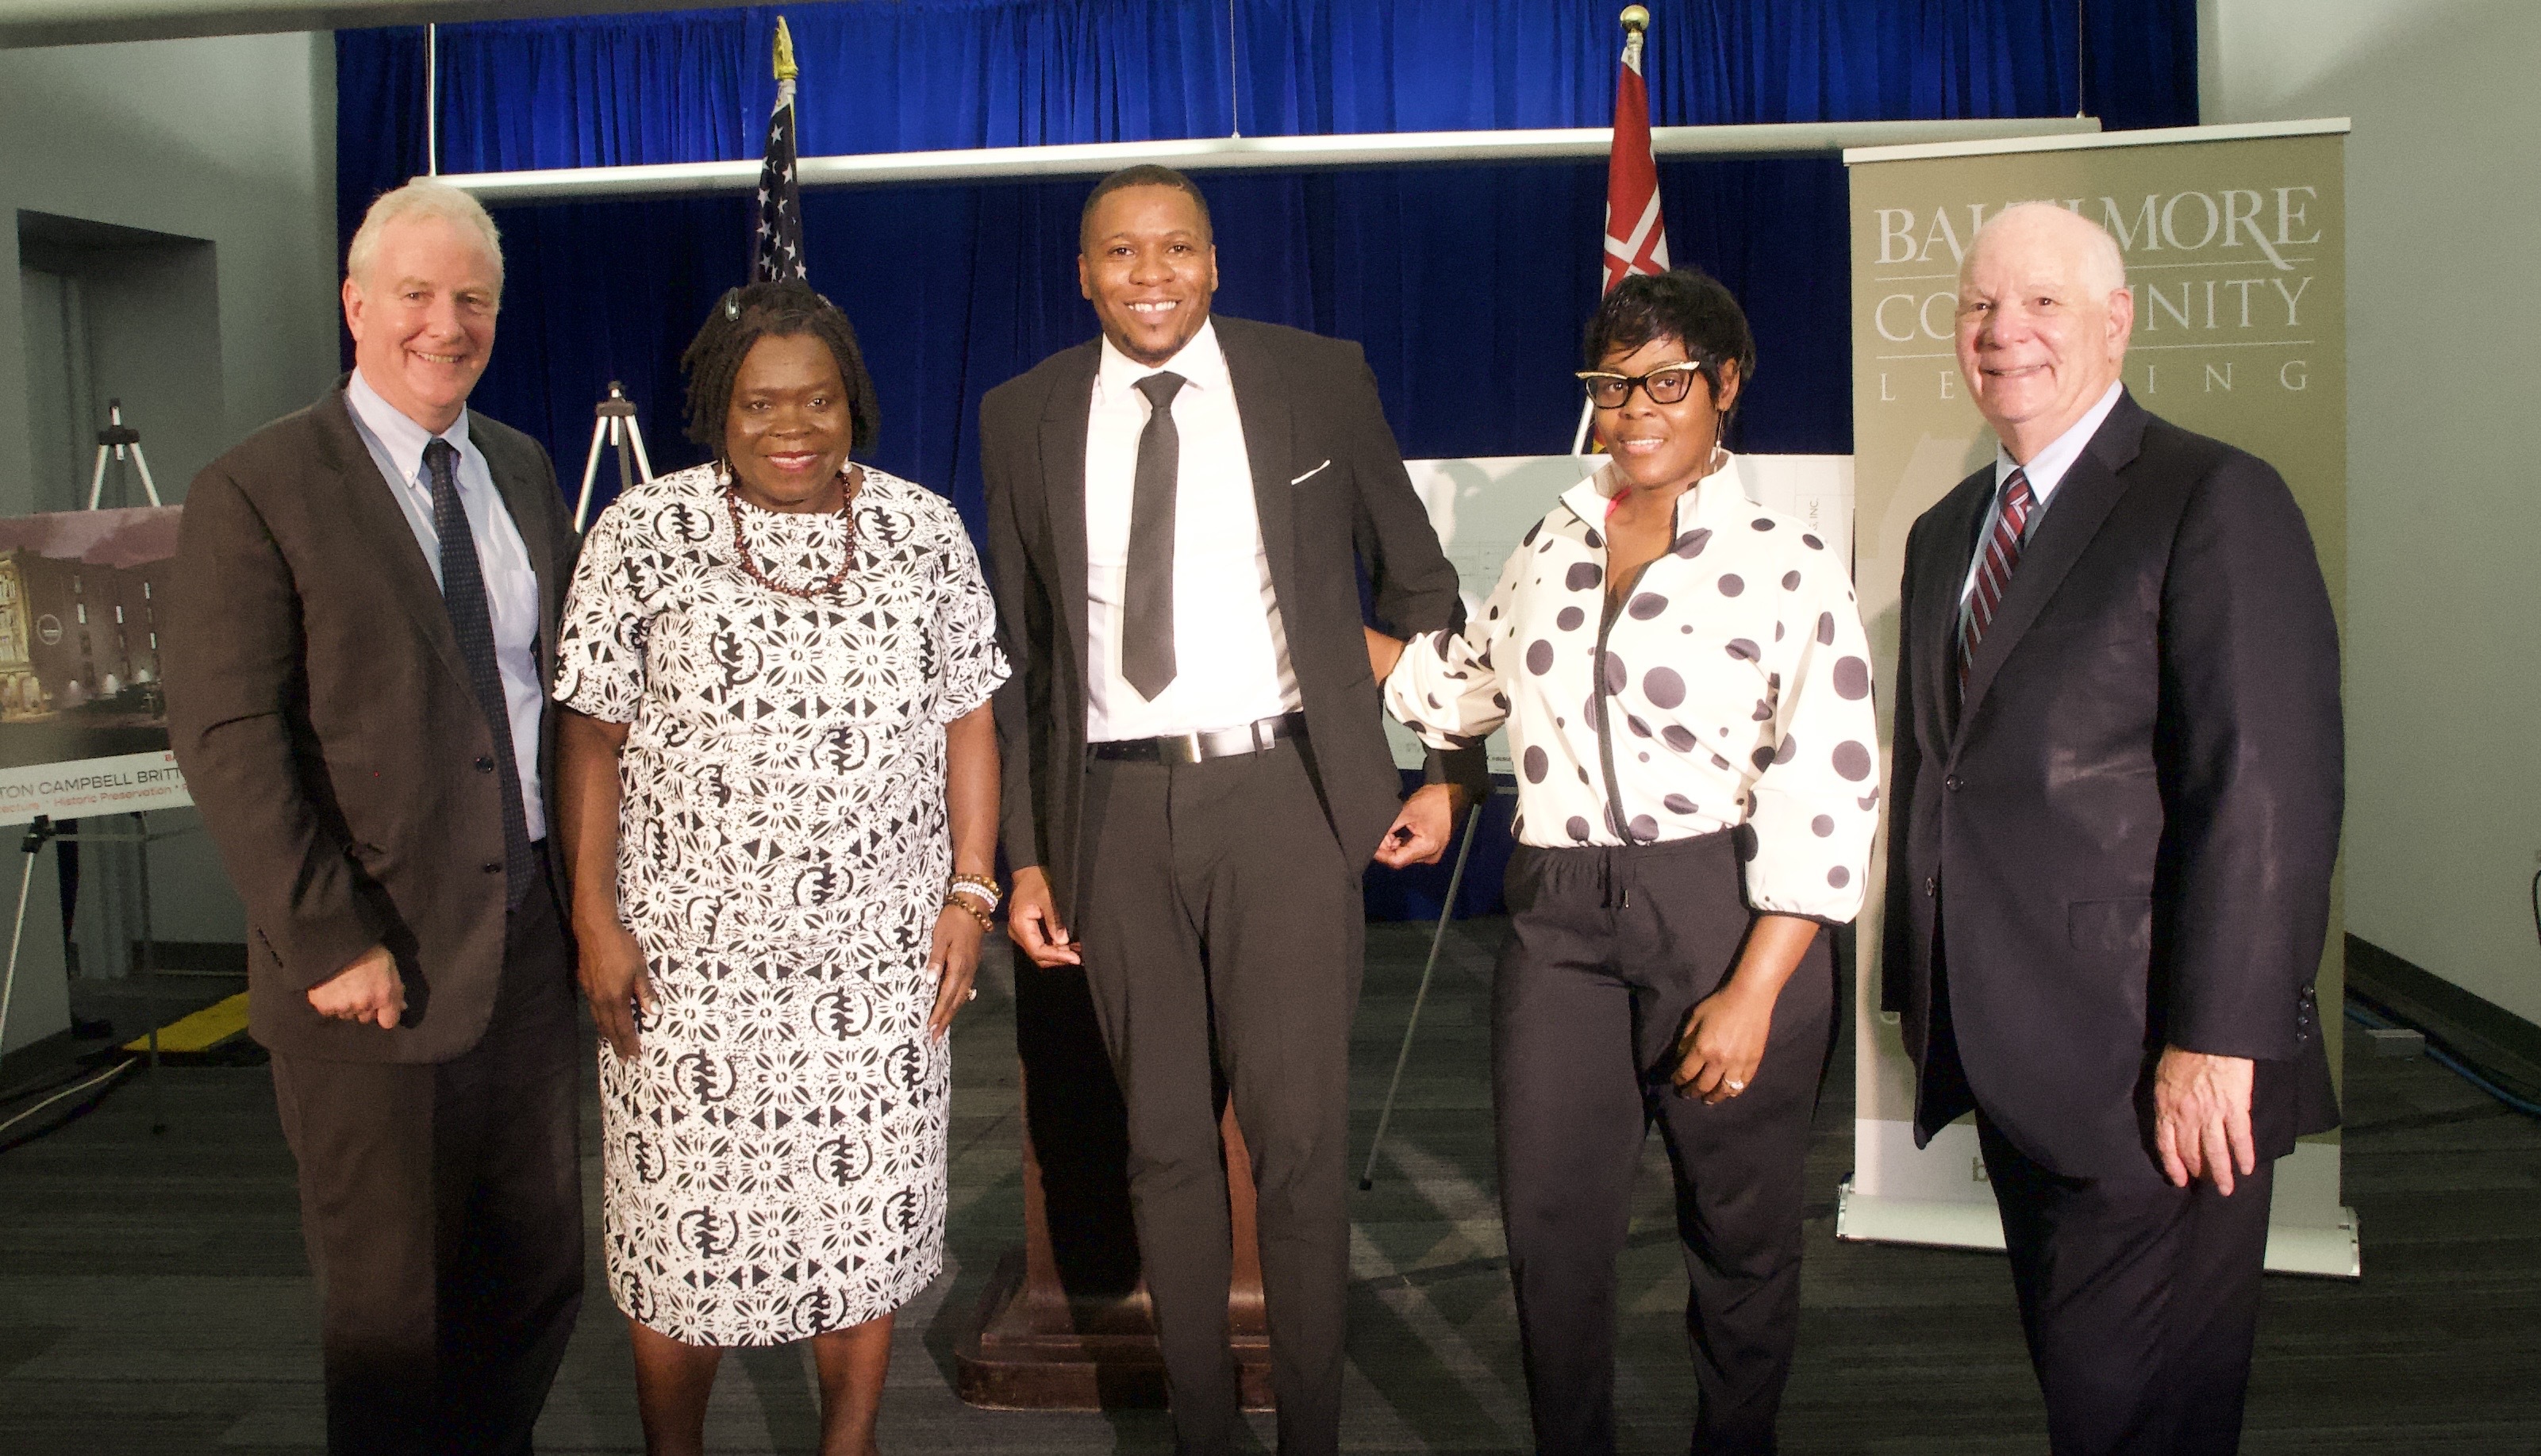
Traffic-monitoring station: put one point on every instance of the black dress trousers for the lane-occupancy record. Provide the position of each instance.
(1223, 930)
(2139, 1301)
(1608, 950)
(442, 1204)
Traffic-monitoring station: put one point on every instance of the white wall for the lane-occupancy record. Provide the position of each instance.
(231, 141)
(2443, 588)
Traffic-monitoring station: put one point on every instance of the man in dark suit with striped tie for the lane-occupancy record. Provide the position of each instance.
(2116, 791)
(367, 596)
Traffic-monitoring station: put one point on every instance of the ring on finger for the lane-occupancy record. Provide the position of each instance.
(1735, 1085)
(973, 995)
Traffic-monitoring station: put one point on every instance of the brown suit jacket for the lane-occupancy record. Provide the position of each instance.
(324, 717)
(1333, 498)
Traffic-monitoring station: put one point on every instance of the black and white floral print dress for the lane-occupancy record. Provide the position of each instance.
(774, 1155)
(1731, 689)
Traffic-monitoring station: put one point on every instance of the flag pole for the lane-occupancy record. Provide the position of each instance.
(1632, 249)
(776, 248)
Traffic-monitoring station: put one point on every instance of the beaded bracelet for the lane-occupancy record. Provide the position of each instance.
(964, 904)
(977, 887)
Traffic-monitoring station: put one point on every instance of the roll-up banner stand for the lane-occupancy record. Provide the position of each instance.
(2235, 246)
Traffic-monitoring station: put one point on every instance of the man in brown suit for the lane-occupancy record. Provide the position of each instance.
(367, 596)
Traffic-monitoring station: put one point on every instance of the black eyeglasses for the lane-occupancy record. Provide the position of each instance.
(1666, 385)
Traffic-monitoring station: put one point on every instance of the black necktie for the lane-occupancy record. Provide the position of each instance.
(1147, 598)
(462, 595)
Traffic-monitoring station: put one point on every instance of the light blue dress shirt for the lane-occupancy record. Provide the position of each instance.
(2045, 471)
(397, 446)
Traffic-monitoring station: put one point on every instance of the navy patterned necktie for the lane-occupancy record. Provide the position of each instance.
(1147, 596)
(472, 620)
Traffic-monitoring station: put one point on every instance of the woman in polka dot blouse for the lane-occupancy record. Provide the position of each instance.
(1687, 688)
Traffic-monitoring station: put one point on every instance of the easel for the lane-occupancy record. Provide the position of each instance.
(112, 444)
(43, 831)
(1437, 938)
(117, 438)
(614, 427)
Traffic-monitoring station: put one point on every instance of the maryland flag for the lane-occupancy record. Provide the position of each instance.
(1635, 234)
(780, 245)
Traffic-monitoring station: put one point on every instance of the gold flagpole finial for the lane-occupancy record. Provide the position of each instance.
(785, 68)
(1635, 19)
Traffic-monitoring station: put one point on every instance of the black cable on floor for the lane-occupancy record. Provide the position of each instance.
(2366, 1018)
(40, 1085)
(99, 1083)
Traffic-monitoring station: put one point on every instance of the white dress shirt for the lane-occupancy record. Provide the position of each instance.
(1731, 689)
(397, 446)
(1230, 650)
(2046, 471)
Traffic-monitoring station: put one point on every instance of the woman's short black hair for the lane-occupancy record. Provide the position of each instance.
(1687, 305)
(745, 316)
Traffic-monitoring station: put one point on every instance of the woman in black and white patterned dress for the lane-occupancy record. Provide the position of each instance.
(1685, 682)
(780, 781)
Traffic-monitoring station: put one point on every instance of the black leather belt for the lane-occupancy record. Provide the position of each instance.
(1197, 748)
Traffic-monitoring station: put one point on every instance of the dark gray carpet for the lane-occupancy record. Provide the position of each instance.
(154, 1298)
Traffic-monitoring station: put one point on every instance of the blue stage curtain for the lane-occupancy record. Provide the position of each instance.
(378, 123)
(1466, 284)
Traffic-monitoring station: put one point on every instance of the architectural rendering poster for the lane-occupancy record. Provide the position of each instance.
(83, 721)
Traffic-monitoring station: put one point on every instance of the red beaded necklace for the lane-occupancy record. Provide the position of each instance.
(750, 563)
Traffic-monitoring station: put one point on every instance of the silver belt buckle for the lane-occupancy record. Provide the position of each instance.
(1255, 737)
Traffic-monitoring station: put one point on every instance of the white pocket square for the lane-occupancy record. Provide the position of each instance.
(1310, 475)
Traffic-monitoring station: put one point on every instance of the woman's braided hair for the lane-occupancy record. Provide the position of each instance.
(745, 316)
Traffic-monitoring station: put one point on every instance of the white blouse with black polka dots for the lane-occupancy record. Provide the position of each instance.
(1731, 689)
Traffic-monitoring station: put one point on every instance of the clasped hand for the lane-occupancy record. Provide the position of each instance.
(1723, 1043)
(1423, 827)
(367, 992)
(2200, 1104)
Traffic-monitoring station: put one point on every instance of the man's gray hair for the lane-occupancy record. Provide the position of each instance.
(420, 198)
(2104, 264)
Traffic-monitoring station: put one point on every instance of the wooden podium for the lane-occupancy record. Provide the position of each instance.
(1064, 1323)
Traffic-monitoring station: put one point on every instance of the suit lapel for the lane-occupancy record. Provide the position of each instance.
(2083, 500)
(1063, 478)
(1261, 403)
(536, 524)
(385, 538)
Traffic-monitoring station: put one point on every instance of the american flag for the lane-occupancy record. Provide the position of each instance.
(780, 244)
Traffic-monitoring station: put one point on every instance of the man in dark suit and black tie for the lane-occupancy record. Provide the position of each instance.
(2117, 791)
(367, 596)
(1196, 770)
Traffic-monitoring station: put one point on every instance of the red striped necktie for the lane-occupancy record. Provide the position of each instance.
(1993, 569)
